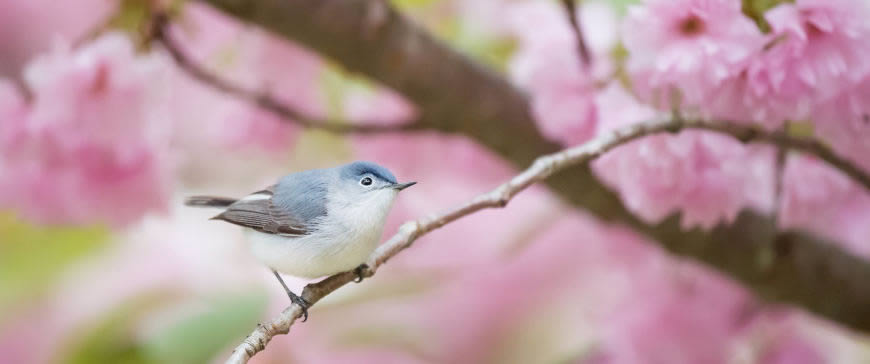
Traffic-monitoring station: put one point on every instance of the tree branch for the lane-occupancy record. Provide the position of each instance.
(809, 268)
(455, 94)
(782, 140)
(161, 33)
(570, 7)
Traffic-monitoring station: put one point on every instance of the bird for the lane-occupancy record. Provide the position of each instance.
(313, 223)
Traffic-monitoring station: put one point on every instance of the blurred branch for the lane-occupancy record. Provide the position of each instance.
(582, 50)
(161, 33)
(790, 256)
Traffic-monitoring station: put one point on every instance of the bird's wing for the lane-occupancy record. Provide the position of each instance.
(291, 207)
(259, 212)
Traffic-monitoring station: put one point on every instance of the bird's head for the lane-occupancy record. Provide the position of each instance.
(365, 191)
(366, 178)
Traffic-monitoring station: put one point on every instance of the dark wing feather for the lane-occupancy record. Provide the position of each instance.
(209, 201)
(262, 215)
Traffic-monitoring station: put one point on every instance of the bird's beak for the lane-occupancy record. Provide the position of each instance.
(402, 186)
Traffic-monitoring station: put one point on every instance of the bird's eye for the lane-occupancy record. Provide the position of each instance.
(366, 181)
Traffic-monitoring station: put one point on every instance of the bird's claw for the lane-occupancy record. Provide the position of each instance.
(303, 304)
(293, 297)
(359, 271)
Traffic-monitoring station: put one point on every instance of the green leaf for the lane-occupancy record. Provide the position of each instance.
(198, 337)
(32, 257)
(755, 10)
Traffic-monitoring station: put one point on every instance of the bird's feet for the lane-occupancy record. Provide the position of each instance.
(294, 298)
(302, 304)
(360, 271)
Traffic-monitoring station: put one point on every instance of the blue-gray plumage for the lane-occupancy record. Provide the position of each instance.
(316, 222)
(304, 193)
(356, 170)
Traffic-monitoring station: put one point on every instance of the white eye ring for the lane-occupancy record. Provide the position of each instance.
(366, 181)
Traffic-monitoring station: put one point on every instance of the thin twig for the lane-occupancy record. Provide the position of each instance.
(784, 141)
(571, 8)
(780, 160)
(542, 168)
(160, 33)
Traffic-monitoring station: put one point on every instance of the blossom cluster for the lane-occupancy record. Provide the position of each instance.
(96, 131)
(722, 66)
(706, 59)
(89, 145)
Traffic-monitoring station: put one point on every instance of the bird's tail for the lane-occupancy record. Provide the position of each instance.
(208, 201)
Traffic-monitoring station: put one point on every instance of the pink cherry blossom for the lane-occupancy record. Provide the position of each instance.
(824, 48)
(91, 145)
(819, 198)
(739, 100)
(710, 177)
(816, 49)
(30, 27)
(548, 65)
(547, 57)
(617, 108)
(844, 122)
(254, 60)
(679, 316)
(690, 45)
(792, 348)
(13, 110)
(566, 115)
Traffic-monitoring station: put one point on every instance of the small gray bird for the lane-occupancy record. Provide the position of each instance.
(313, 223)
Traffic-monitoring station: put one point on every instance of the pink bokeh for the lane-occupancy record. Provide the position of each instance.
(94, 134)
(96, 131)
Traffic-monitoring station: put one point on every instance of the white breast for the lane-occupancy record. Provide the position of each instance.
(341, 241)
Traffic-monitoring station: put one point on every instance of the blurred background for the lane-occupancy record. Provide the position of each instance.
(102, 135)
